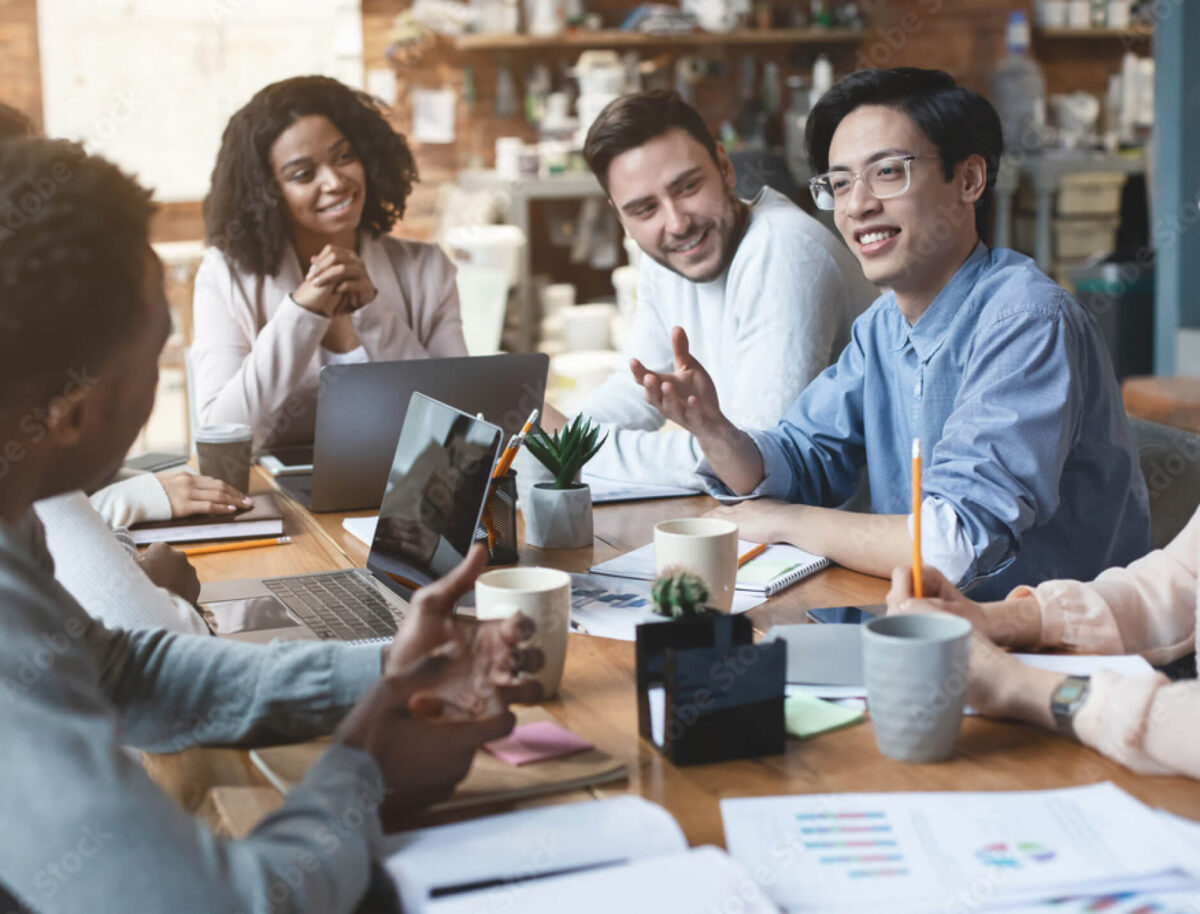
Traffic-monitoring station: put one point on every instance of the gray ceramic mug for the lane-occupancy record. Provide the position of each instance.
(916, 669)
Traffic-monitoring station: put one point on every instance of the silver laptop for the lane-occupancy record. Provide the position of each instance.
(435, 494)
(360, 410)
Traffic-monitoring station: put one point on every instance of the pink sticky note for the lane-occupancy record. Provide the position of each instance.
(536, 742)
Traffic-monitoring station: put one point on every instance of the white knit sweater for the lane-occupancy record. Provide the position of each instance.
(99, 570)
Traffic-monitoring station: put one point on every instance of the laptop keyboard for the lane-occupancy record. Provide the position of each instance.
(337, 606)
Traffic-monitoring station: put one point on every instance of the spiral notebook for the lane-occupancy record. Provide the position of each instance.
(779, 567)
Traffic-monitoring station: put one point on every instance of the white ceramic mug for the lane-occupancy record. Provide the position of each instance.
(542, 594)
(705, 546)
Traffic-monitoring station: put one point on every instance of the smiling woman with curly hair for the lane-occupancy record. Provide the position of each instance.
(302, 272)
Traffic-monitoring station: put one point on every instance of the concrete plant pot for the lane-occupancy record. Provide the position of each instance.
(558, 518)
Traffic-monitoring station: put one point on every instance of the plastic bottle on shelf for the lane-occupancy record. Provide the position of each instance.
(1019, 90)
(822, 80)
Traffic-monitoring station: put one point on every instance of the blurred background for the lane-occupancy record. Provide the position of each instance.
(1098, 100)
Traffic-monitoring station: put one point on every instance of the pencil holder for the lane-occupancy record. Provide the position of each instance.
(498, 526)
(716, 694)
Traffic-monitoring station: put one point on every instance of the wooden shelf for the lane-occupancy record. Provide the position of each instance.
(615, 38)
(1135, 33)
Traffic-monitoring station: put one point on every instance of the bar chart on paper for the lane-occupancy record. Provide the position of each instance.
(904, 852)
(861, 843)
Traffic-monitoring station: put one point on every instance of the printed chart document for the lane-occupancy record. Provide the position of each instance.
(625, 854)
(780, 566)
(611, 607)
(901, 852)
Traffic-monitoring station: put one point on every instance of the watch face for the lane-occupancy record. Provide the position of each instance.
(1068, 692)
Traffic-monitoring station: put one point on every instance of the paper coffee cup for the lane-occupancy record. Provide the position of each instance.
(224, 452)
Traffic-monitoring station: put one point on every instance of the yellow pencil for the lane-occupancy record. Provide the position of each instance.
(916, 511)
(504, 464)
(752, 554)
(233, 547)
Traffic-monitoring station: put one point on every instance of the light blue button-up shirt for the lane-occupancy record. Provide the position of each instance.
(1007, 382)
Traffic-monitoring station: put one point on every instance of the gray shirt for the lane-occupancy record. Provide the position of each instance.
(84, 826)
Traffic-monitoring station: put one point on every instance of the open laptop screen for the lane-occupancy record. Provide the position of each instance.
(435, 494)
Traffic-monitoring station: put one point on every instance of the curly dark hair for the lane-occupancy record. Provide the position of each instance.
(244, 213)
(73, 258)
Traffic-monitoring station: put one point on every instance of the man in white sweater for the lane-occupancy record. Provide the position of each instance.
(763, 290)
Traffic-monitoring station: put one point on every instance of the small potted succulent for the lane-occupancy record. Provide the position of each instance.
(680, 594)
(558, 514)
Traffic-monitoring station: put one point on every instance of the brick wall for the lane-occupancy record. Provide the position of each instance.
(20, 74)
(965, 37)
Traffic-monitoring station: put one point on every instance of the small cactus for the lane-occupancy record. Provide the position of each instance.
(679, 594)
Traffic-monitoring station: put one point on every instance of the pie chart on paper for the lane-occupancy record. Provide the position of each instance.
(1004, 855)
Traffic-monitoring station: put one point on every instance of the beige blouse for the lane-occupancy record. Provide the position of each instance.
(256, 354)
(1145, 722)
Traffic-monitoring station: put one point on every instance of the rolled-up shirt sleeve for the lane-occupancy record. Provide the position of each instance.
(999, 461)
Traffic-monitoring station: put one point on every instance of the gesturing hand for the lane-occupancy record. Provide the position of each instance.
(336, 283)
(688, 396)
(483, 660)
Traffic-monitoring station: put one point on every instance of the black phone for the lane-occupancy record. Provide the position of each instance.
(846, 615)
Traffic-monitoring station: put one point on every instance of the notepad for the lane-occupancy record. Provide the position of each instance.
(779, 567)
(263, 519)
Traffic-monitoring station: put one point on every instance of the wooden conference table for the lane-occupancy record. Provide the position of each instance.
(597, 701)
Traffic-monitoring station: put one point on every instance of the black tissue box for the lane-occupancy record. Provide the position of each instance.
(722, 693)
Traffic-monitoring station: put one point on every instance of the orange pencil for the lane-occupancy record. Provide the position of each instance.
(233, 547)
(504, 464)
(752, 554)
(916, 511)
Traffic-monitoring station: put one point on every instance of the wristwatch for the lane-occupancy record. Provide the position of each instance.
(1067, 699)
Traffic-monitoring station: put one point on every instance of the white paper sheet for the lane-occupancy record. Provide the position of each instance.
(700, 881)
(1067, 664)
(362, 528)
(900, 852)
(611, 607)
(606, 490)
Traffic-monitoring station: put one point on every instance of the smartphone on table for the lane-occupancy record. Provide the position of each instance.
(847, 615)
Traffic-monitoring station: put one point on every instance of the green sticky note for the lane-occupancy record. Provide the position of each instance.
(806, 715)
(763, 571)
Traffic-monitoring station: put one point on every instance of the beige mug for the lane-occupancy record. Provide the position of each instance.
(542, 594)
(705, 546)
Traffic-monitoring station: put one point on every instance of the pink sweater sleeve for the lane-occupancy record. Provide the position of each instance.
(1148, 608)
(1145, 722)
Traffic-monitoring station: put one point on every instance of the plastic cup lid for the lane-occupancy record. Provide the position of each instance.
(217, 434)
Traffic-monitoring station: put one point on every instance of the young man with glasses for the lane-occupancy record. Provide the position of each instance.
(762, 288)
(1031, 470)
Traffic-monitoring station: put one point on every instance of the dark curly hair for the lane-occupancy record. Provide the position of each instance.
(73, 258)
(244, 213)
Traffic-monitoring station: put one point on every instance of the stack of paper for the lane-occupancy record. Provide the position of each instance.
(908, 852)
(623, 854)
